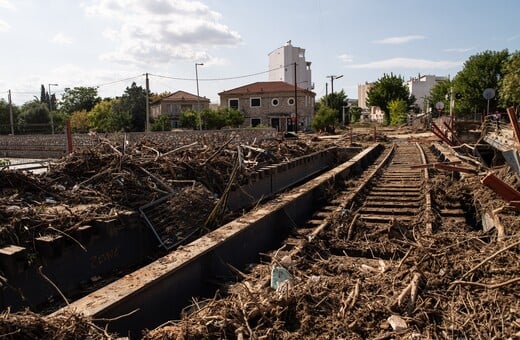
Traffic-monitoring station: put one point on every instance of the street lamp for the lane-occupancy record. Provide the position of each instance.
(50, 107)
(198, 98)
(332, 82)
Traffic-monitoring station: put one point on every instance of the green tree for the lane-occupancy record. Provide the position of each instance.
(78, 99)
(335, 101)
(5, 118)
(354, 113)
(510, 83)
(162, 123)
(480, 71)
(34, 117)
(234, 118)
(79, 121)
(439, 93)
(212, 119)
(133, 102)
(398, 111)
(44, 96)
(107, 116)
(189, 119)
(388, 88)
(325, 120)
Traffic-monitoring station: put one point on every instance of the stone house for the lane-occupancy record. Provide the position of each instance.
(175, 104)
(273, 103)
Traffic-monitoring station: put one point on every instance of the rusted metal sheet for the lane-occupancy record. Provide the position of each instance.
(438, 132)
(454, 168)
(453, 133)
(503, 189)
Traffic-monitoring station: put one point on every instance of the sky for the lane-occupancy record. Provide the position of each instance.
(109, 44)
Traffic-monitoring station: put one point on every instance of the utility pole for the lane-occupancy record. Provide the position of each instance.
(327, 94)
(452, 104)
(10, 112)
(198, 97)
(295, 102)
(332, 82)
(147, 125)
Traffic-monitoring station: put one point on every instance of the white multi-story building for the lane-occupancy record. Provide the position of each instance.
(281, 66)
(362, 94)
(421, 86)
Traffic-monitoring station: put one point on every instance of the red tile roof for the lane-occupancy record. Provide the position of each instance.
(264, 87)
(183, 95)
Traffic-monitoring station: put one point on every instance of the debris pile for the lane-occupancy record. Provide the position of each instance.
(28, 325)
(394, 282)
(104, 180)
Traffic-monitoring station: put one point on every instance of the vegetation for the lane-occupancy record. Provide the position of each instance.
(386, 89)
(354, 113)
(325, 120)
(335, 101)
(398, 111)
(509, 85)
(481, 71)
(162, 123)
(438, 94)
(78, 99)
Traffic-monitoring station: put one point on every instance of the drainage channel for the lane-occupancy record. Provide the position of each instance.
(159, 291)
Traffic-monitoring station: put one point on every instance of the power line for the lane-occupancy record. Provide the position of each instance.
(219, 79)
(119, 81)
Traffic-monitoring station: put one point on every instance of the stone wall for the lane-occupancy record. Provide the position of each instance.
(55, 146)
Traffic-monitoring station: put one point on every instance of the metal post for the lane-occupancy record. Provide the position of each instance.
(147, 125)
(198, 98)
(69, 137)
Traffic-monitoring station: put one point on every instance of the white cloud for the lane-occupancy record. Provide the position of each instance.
(403, 63)
(399, 40)
(4, 26)
(347, 58)
(6, 4)
(61, 39)
(162, 30)
(458, 50)
(513, 38)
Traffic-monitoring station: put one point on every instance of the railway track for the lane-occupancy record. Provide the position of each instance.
(392, 194)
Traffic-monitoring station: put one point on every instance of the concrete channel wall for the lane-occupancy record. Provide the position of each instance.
(159, 291)
(55, 146)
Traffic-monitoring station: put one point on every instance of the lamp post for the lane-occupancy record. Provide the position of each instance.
(198, 98)
(332, 82)
(50, 107)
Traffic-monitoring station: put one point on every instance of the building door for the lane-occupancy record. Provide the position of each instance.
(275, 122)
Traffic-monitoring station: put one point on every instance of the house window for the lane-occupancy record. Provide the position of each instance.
(233, 104)
(255, 102)
(255, 122)
(275, 102)
(290, 101)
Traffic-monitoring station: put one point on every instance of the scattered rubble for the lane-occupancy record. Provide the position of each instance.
(453, 283)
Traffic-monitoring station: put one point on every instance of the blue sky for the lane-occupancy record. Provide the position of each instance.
(110, 43)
